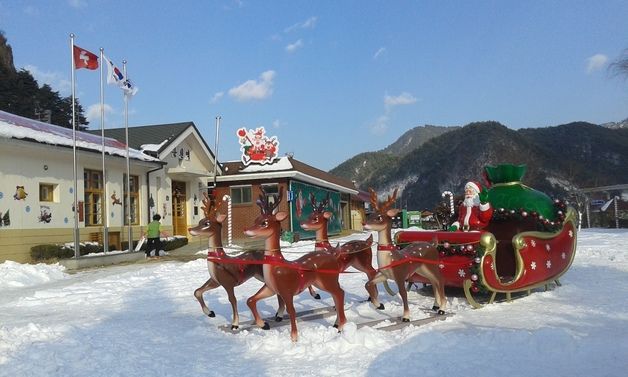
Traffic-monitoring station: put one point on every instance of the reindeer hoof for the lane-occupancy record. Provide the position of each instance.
(441, 312)
(369, 299)
(266, 326)
(335, 325)
(234, 327)
(317, 296)
(211, 314)
(381, 307)
(435, 308)
(278, 318)
(405, 319)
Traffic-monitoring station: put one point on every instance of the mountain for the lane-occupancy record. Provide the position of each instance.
(615, 125)
(559, 159)
(414, 138)
(361, 167)
(6, 55)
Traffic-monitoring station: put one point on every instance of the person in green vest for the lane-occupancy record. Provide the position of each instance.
(153, 237)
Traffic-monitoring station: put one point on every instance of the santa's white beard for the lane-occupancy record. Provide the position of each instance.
(471, 201)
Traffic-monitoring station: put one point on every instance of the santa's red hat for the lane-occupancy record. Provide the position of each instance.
(475, 186)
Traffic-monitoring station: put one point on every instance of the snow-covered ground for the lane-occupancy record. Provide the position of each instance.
(142, 320)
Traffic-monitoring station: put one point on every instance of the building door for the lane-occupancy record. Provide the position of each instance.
(179, 214)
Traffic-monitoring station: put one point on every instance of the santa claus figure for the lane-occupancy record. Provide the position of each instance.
(475, 211)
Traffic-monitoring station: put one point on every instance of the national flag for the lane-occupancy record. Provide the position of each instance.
(115, 76)
(84, 59)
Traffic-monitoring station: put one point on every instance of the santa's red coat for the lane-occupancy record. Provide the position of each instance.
(474, 218)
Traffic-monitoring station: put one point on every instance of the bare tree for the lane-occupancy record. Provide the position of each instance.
(620, 66)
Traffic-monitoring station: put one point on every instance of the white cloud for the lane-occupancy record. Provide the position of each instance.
(54, 79)
(294, 46)
(254, 90)
(404, 98)
(380, 126)
(310, 23)
(217, 96)
(93, 114)
(277, 123)
(77, 3)
(379, 52)
(596, 62)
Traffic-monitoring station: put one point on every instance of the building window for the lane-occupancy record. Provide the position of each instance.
(241, 194)
(94, 201)
(134, 199)
(47, 192)
(272, 191)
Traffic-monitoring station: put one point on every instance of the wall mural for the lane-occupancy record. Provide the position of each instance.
(5, 219)
(20, 193)
(114, 199)
(45, 214)
(301, 207)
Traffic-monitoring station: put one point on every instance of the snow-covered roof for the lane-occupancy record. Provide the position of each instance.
(285, 167)
(16, 127)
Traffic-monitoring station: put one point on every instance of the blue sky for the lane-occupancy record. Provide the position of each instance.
(332, 79)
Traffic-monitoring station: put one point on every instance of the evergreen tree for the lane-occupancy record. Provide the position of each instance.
(20, 94)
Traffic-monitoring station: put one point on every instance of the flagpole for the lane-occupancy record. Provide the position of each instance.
(218, 118)
(128, 163)
(77, 252)
(105, 230)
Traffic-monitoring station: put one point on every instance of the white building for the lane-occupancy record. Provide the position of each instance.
(169, 168)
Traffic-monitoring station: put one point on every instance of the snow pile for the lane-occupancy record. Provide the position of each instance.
(13, 274)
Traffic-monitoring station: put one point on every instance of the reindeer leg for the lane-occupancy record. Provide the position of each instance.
(294, 334)
(263, 292)
(370, 273)
(313, 293)
(198, 293)
(434, 275)
(235, 322)
(281, 307)
(339, 301)
(404, 297)
(372, 285)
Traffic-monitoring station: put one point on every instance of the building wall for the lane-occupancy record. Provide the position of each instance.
(244, 215)
(28, 164)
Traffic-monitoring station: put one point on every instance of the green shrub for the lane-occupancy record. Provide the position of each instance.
(175, 243)
(49, 251)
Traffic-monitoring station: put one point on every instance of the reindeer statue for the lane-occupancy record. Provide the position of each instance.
(289, 278)
(399, 265)
(230, 273)
(356, 253)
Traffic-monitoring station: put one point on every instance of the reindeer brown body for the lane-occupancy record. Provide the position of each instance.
(288, 278)
(231, 271)
(399, 264)
(357, 253)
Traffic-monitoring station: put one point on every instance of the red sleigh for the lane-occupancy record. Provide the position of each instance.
(511, 254)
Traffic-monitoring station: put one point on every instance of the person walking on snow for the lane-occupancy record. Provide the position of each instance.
(475, 211)
(153, 234)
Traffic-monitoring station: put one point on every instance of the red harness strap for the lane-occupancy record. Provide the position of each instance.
(323, 244)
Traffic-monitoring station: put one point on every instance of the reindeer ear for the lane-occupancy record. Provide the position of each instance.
(220, 217)
(327, 215)
(392, 212)
(281, 215)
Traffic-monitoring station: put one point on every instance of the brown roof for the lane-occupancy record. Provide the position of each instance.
(233, 168)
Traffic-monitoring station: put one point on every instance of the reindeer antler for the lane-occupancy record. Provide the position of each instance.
(266, 207)
(210, 207)
(319, 207)
(382, 207)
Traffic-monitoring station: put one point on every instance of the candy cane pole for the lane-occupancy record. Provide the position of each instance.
(229, 226)
(451, 200)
